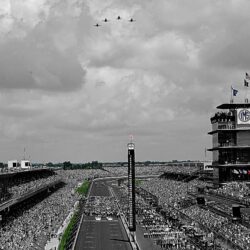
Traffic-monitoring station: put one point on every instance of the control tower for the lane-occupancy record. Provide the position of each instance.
(131, 186)
(231, 143)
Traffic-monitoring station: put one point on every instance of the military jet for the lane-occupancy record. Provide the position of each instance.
(97, 25)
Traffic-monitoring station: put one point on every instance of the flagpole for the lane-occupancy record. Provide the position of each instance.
(245, 93)
(231, 101)
(246, 83)
(246, 90)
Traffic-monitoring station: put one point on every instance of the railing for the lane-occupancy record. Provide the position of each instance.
(227, 144)
(226, 126)
(79, 214)
(222, 116)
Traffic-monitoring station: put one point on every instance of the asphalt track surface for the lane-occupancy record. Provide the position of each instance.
(103, 234)
(99, 188)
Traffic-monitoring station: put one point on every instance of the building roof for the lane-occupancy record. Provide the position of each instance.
(227, 130)
(232, 165)
(233, 105)
(229, 147)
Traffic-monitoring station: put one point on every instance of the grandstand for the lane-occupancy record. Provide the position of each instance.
(19, 187)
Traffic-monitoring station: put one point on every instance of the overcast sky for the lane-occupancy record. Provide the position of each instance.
(73, 91)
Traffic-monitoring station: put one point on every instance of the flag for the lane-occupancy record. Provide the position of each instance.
(235, 171)
(234, 91)
(245, 83)
(247, 77)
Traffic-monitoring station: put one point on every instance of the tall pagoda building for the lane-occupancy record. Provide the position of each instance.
(231, 143)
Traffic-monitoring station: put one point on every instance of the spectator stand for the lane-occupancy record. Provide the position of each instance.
(172, 192)
(14, 179)
(39, 221)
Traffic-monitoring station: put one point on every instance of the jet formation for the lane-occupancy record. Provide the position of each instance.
(105, 20)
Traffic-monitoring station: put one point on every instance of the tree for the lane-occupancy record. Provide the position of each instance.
(50, 165)
(67, 165)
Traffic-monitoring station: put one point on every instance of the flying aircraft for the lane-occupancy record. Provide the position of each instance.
(105, 20)
(118, 18)
(131, 20)
(97, 25)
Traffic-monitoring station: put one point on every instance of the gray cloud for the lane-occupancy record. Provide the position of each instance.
(41, 49)
(70, 88)
(24, 65)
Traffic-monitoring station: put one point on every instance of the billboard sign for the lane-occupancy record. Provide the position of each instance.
(243, 116)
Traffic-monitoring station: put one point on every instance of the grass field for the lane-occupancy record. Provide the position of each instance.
(83, 189)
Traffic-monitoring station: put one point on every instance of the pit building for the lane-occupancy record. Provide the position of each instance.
(231, 143)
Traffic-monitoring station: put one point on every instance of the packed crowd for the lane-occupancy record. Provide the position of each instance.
(179, 169)
(123, 171)
(177, 192)
(31, 227)
(171, 194)
(36, 225)
(19, 190)
(162, 228)
(150, 170)
(236, 233)
(237, 190)
(225, 208)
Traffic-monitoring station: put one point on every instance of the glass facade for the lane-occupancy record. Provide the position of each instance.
(234, 174)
